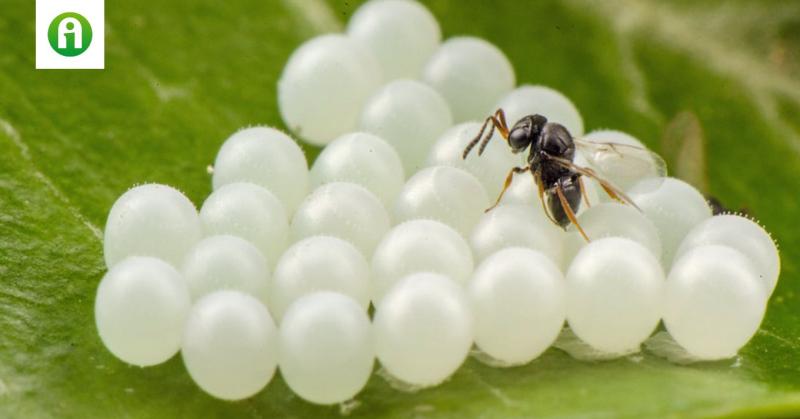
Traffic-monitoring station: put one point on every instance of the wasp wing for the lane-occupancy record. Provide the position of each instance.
(624, 164)
(612, 190)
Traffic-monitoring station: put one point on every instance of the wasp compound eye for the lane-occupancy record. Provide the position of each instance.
(519, 138)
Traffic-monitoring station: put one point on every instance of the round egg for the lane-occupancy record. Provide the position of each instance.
(613, 219)
(267, 157)
(423, 329)
(417, 246)
(471, 74)
(402, 35)
(673, 206)
(226, 262)
(151, 220)
(326, 352)
(410, 116)
(444, 193)
(518, 300)
(140, 310)
(714, 301)
(614, 294)
(230, 345)
(249, 211)
(742, 234)
(343, 210)
(361, 158)
(319, 263)
(324, 86)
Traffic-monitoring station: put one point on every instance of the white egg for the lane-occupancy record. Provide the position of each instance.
(516, 225)
(530, 100)
(140, 310)
(401, 34)
(319, 263)
(614, 294)
(361, 158)
(743, 235)
(326, 352)
(151, 220)
(447, 194)
(416, 246)
(673, 206)
(410, 116)
(518, 300)
(230, 345)
(714, 301)
(615, 167)
(249, 211)
(324, 85)
(490, 168)
(343, 210)
(524, 191)
(423, 329)
(613, 219)
(226, 262)
(266, 157)
(471, 74)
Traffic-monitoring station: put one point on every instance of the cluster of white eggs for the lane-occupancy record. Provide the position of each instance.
(279, 267)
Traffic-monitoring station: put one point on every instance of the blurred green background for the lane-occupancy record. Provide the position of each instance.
(720, 76)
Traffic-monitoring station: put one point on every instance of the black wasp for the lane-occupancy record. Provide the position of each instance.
(550, 161)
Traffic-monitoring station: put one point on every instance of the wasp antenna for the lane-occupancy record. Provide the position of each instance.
(486, 139)
(475, 140)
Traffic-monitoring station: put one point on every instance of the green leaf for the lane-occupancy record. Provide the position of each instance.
(181, 76)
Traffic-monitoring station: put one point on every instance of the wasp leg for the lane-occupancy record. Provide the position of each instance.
(538, 180)
(498, 120)
(583, 192)
(509, 178)
(613, 194)
(568, 211)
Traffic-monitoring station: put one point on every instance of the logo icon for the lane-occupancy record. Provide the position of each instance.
(70, 34)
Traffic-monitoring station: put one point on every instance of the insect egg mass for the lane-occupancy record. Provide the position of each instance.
(448, 211)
